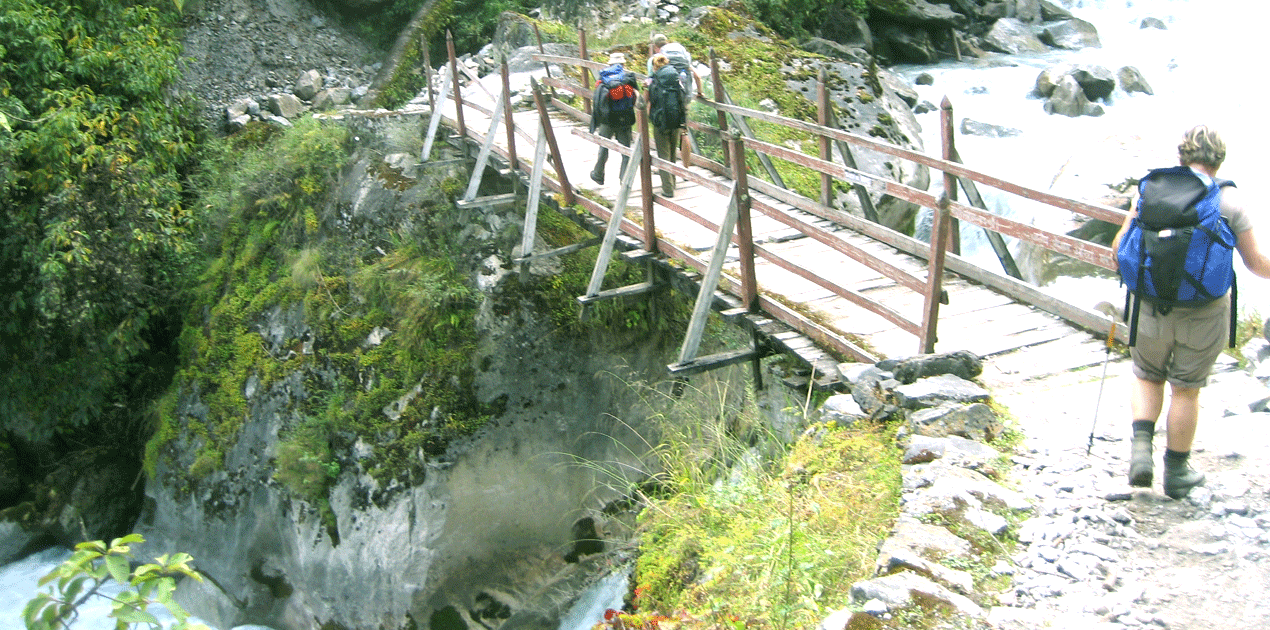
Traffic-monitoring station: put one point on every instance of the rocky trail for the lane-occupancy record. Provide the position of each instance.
(1097, 553)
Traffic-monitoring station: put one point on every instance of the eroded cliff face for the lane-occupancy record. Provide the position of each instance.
(497, 524)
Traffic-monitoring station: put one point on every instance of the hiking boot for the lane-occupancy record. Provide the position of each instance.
(1141, 468)
(597, 178)
(1179, 477)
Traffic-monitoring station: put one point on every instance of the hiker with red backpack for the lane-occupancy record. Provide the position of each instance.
(613, 110)
(1175, 255)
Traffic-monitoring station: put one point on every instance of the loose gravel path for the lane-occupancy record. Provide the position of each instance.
(1099, 554)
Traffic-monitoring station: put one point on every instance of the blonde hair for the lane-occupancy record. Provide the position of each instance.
(1202, 145)
(660, 60)
(658, 40)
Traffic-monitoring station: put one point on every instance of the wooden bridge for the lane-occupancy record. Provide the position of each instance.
(804, 277)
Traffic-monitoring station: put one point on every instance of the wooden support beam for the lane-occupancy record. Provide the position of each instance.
(716, 361)
(486, 201)
(608, 294)
(434, 123)
(561, 251)
(614, 227)
(697, 325)
(454, 74)
(531, 210)
(482, 158)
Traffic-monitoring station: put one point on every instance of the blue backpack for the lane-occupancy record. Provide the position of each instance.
(620, 92)
(1179, 250)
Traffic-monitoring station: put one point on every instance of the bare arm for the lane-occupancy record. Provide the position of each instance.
(1257, 262)
(1124, 227)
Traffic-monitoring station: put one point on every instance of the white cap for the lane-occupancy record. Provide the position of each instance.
(617, 57)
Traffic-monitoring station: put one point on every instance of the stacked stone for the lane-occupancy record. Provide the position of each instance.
(949, 483)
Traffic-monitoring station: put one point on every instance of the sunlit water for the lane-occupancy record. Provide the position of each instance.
(1202, 72)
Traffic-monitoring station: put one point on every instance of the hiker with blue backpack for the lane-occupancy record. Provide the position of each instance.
(613, 110)
(1175, 255)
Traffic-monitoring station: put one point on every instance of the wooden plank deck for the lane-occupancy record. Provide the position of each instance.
(975, 318)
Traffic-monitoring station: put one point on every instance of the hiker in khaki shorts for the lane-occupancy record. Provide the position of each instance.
(1180, 345)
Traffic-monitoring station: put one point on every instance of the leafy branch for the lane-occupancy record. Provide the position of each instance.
(91, 567)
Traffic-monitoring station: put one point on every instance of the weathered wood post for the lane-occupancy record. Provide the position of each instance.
(646, 177)
(950, 180)
(542, 50)
(544, 120)
(826, 147)
(744, 234)
(427, 71)
(507, 115)
(717, 83)
(458, 93)
(939, 235)
(586, 72)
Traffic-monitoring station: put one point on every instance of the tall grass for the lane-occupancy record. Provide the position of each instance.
(740, 529)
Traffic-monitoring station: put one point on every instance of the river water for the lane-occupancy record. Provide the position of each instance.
(1202, 71)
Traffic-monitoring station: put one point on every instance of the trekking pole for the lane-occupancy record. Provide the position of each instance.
(1111, 338)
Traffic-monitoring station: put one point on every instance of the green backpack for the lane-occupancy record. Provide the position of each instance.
(666, 99)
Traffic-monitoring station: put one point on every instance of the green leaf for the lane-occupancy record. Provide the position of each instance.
(118, 567)
(128, 614)
(4, 123)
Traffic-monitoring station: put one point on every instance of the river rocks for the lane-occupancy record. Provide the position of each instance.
(1013, 37)
(1153, 22)
(1075, 90)
(1131, 80)
(970, 127)
(1071, 34)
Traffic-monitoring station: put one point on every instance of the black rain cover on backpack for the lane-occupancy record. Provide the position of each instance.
(1179, 250)
(665, 97)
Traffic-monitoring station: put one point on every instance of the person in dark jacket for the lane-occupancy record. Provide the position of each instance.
(665, 136)
(610, 123)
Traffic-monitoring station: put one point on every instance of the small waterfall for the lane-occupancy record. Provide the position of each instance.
(606, 594)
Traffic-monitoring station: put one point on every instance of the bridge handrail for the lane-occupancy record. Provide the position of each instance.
(946, 208)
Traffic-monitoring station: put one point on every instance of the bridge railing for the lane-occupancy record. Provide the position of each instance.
(754, 193)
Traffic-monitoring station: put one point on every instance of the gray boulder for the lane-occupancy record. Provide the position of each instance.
(1069, 99)
(308, 85)
(939, 16)
(331, 98)
(1131, 80)
(1049, 79)
(1028, 11)
(1013, 37)
(975, 128)
(898, 590)
(1072, 34)
(1097, 81)
(934, 391)
(1151, 22)
(841, 409)
(961, 363)
(904, 43)
(848, 30)
(1051, 12)
(830, 48)
(974, 422)
(284, 105)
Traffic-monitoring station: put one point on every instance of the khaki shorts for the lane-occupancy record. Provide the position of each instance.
(1181, 347)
